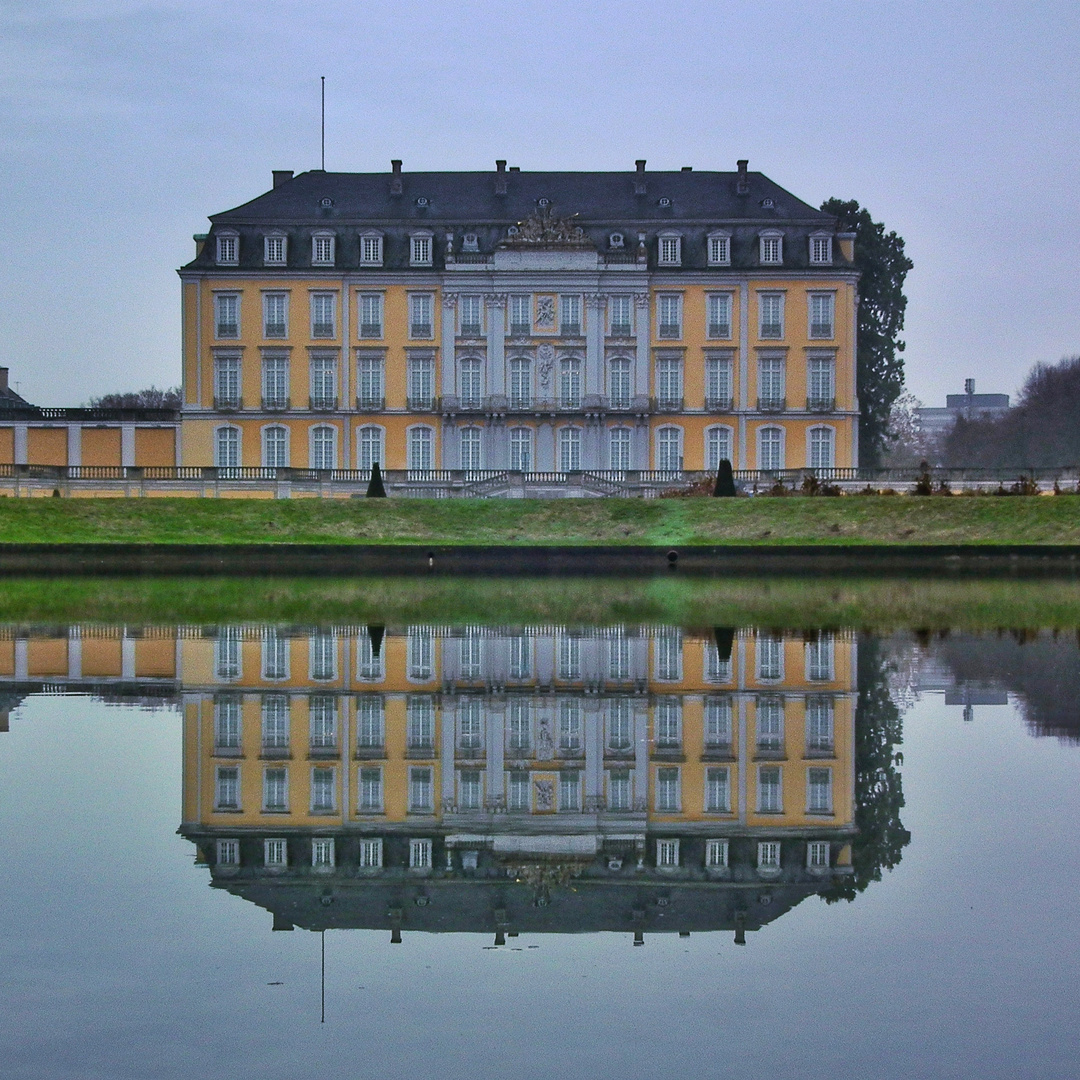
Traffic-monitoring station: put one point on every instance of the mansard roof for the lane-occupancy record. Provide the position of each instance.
(470, 197)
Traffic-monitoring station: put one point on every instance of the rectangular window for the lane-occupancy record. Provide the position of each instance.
(569, 658)
(470, 380)
(276, 790)
(819, 658)
(820, 377)
(769, 801)
(371, 854)
(819, 791)
(618, 792)
(323, 791)
(619, 314)
(275, 381)
(371, 791)
(322, 722)
(322, 251)
(669, 315)
(420, 650)
(718, 390)
(276, 852)
(323, 854)
(768, 858)
(819, 725)
(227, 656)
(275, 723)
(370, 722)
(620, 727)
(667, 854)
(228, 853)
(227, 382)
(322, 649)
(471, 725)
(369, 450)
(421, 382)
(519, 723)
(520, 793)
(771, 314)
(520, 316)
(620, 442)
(771, 388)
(667, 721)
(570, 726)
(817, 855)
(719, 250)
(370, 389)
(227, 315)
(717, 666)
(520, 657)
(669, 650)
(420, 251)
(822, 311)
(670, 250)
(421, 791)
(227, 725)
(620, 388)
(470, 312)
(570, 383)
(275, 315)
(227, 789)
(667, 791)
(821, 448)
(772, 250)
(228, 248)
(420, 316)
(274, 250)
(718, 716)
(371, 315)
(420, 854)
(570, 791)
(669, 384)
(371, 250)
(770, 725)
(323, 315)
(420, 724)
(820, 249)
(569, 449)
(471, 789)
(520, 382)
(719, 315)
(716, 854)
(322, 372)
(717, 791)
(521, 449)
(570, 312)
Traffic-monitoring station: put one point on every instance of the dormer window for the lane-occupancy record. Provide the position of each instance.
(371, 250)
(616, 240)
(470, 242)
(274, 250)
(228, 249)
(719, 249)
(322, 249)
(772, 248)
(670, 251)
(420, 249)
(820, 249)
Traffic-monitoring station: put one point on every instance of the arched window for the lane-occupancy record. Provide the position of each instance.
(471, 439)
(570, 383)
(324, 447)
(520, 382)
(275, 448)
(569, 449)
(771, 448)
(619, 445)
(669, 448)
(619, 390)
(421, 448)
(821, 448)
(471, 383)
(521, 454)
(369, 447)
(227, 448)
(717, 447)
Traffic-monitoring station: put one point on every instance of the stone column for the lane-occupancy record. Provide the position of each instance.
(496, 341)
(641, 754)
(127, 657)
(74, 653)
(449, 331)
(447, 743)
(594, 755)
(496, 742)
(595, 306)
(22, 659)
(641, 367)
(127, 444)
(20, 444)
(74, 448)
(545, 447)
(741, 461)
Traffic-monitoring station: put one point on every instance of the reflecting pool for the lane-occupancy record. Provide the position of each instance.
(483, 849)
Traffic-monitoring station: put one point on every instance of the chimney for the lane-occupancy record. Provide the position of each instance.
(500, 177)
(742, 186)
(3, 380)
(200, 239)
(395, 180)
(515, 168)
(281, 176)
(688, 168)
(639, 177)
(969, 384)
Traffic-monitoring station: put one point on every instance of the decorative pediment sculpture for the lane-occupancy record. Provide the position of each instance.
(544, 229)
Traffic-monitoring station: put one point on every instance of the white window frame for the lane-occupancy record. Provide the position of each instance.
(769, 857)
(471, 804)
(782, 443)
(470, 381)
(420, 379)
(761, 642)
(370, 331)
(272, 240)
(570, 315)
(661, 801)
(238, 444)
(370, 380)
(370, 781)
(323, 248)
(715, 329)
(667, 854)
(371, 853)
(813, 459)
(717, 434)
(811, 807)
(620, 448)
(323, 853)
(378, 444)
(666, 303)
(520, 382)
(371, 249)
(820, 249)
(570, 791)
(765, 330)
(818, 856)
(621, 328)
(221, 806)
(322, 722)
(521, 438)
(620, 382)
(663, 443)
(669, 382)
(419, 654)
(321, 771)
(227, 853)
(569, 448)
(475, 304)
(620, 798)
(421, 248)
(274, 430)
(716, 854)
(520, 303)
(227, 248)
(317, 434)
(275, 852)
(323, 376)
(221, 299)
(421, 806)
(317, 329)
(762, 808)
(820, 331)
(669, 249)
(275, 378)
(770, 724)
(323, 645)
(267, 807)
(571, 382)
(472, 455)
(819, 364)
(371, 720)
(718, 248)
(771, 248)
(719, 380)
(228, 377)
(420, 853)
(421, 331)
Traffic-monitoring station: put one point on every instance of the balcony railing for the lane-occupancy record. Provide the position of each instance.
(520, 329)
(669, 330)
(717, 404)
(274, 330)
(275, 402)
(621, 329)
(421, 402)
(820, 404)
(321, 403)
(371, 403)
(666, 403)
(719, 330)
(821, 330)
(228, 330)
(371, 330)
(420, 330)
(322, 330)
(520, 402)
(571, 329)
(472, 330)
(228, 402)
(771, 404)
(772, 330)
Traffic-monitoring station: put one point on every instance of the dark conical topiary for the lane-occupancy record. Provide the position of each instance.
(375, 636)
(725, 480)
(375, 488)
(725, 640)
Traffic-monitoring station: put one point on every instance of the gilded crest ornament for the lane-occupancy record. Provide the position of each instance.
(544, 229)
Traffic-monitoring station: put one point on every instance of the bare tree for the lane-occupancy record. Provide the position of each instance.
(151, 398)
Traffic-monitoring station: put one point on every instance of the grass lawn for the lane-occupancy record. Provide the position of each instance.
(510, 522)
(778, 602)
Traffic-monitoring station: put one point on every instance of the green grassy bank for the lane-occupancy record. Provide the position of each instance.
(763, 521)
(780, 602)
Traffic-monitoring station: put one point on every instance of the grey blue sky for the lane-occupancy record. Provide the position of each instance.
(123, 124)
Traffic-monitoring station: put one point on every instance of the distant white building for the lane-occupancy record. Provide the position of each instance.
(971, 406)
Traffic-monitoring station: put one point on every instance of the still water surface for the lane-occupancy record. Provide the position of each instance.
(251, 851)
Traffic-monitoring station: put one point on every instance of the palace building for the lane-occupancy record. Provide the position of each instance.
(514, 324)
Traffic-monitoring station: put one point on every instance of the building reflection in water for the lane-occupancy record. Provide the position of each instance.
(497, 780)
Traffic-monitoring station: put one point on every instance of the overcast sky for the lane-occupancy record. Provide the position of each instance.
(124, 124)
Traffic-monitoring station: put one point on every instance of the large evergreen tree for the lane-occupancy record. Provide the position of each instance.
(879, 256)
